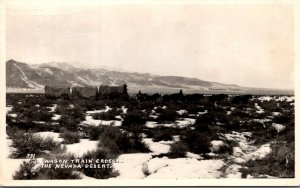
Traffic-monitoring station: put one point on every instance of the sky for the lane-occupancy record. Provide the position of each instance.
(244, 44)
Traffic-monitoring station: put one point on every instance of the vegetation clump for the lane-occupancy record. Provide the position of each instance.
(70, 137)
(30, 143)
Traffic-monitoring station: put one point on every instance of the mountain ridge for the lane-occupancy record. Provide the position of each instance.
(23, 76)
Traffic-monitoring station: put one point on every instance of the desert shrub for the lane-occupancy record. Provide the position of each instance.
(13, 131)
(63, 102)
(69, 123)
(208, 105)
(222, 118)
(87, 104)
(145, 105)
(241, 99)
(26, 171)
(36, 114)
(134, 118)
(116, 103)
(202, 126)
(21, 108)
(261, 137)
(131, 105)
(159, 109)
(254, 115)
(194, 109)
(287, 105)
(284, 118)
(174, 106)
(271, 105)
(218, 109)
(193, 98)
(120, 142)
(162, 134)
(30, 171)
(288, 133)
(136, 129)
(100, 173)
(70, 137)
(178, 149)
(94, 132)
(30, 143)
(43, 102)
(279, 163)
(240, 113)
(211, 123)
(267, 132)
(33, 127)
(208, 118)
(210, 129)
(60, 109)
(197, 142)
(167, 116)
(255, 126)
(109, 115)
(76, 112)
(9, 119)
(234, 124)
(46, 127)
(212, 117)
(116, 111)
(54, 127)
(218, 98)
(103, 116)
(183, 106)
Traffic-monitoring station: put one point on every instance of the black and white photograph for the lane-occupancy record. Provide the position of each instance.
(152, 91)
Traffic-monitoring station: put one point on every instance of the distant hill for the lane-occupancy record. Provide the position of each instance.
(22, 77)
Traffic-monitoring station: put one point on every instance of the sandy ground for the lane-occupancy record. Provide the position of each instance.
(244, 152)
(145, 165)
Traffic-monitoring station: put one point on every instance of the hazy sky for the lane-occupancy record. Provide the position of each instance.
(244, 44)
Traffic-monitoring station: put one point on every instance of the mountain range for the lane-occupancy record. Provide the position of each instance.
(23, 77)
